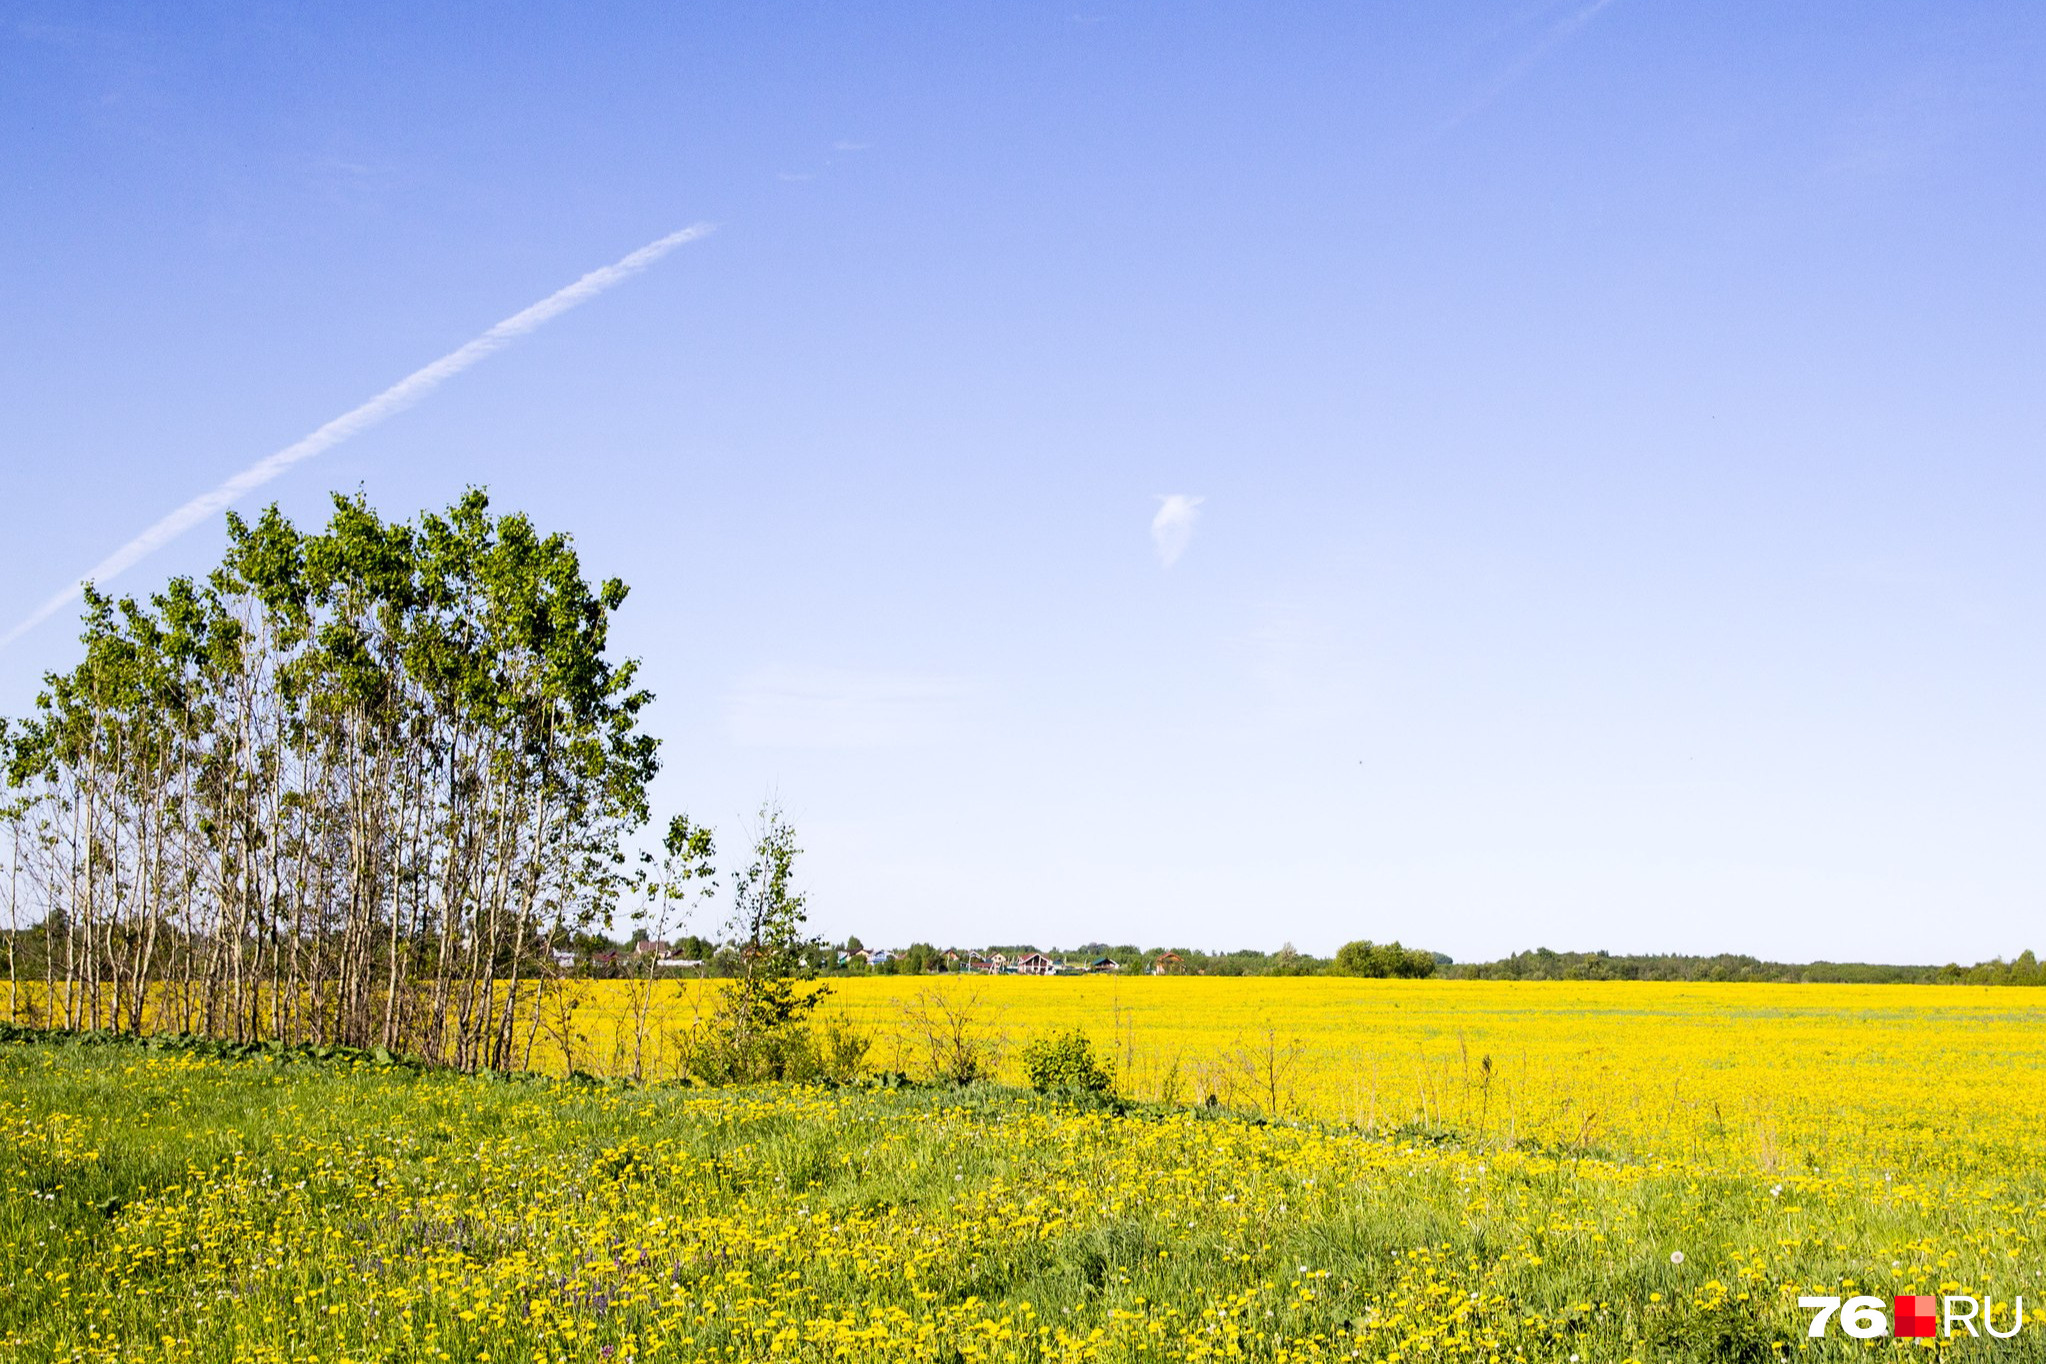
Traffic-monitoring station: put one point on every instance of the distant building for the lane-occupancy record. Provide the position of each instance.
(1104, 964)
(564, 959)
(652, 947)
(1034, 964)
(1168, 964)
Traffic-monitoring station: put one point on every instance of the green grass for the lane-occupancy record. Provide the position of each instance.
(189, 1204)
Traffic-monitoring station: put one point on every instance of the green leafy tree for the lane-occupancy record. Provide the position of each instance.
(355, 785)
(1365, 958)
(759, 1030)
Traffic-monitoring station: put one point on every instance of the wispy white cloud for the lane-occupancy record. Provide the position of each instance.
(391, 401)
(785, 707)
(1173, 527)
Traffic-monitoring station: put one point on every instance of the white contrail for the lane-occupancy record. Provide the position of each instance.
(1557, 34)
(396, 398)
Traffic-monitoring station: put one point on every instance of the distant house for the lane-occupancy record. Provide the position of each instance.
(680, 963)
(605, 959)
(1168, 964)
(998, 962)
(1034, 964)
(564, 959)
(651, 947)
(878, 957)
(1104, 964)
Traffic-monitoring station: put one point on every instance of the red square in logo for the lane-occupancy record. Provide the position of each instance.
(1914, 1315)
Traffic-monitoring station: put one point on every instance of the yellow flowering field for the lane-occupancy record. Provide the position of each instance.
(1768, 1077)
(1640, 1173)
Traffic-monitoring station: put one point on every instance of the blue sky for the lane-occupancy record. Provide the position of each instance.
(1616, 429)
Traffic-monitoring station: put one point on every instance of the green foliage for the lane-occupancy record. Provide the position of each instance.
(760, 1028)
(1545, 964)
(768, 915)
(1064, 1062)
(373, 769)
(2024, 971)
(803, 1052)
(1366, 958)
(1287, 962)
(841, 1049)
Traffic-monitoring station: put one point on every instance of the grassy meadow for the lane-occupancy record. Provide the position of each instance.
(1641, 1172)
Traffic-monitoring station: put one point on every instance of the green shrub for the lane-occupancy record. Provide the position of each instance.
(841, 1049)
(1065, 1061)
(804, 1052)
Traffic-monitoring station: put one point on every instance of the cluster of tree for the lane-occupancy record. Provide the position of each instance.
(354, 786)
(1243, 961)
(2024, 971)
(1366, 958)
(1544, 964)
(374, 785)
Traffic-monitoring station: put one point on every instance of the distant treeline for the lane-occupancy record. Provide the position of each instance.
(1544, 964)
(38, 952)
(1365, 958)
(601, 958)
(1355, 959)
